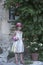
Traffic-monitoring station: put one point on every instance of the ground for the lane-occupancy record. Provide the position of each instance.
(11, 62)
(4, 61)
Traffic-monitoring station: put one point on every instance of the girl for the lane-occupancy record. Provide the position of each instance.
(18, 46)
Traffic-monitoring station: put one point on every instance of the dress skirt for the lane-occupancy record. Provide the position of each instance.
(18, 46)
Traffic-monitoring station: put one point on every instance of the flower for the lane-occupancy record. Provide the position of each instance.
(27, 46)
(36, 48)
(33, 43)
(15, 38)
(40, 44)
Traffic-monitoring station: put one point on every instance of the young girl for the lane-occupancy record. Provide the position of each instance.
(18, 46)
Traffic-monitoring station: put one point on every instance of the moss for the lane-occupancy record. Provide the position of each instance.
(28, 62)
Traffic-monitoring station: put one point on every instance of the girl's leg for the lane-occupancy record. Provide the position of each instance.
(16, 58)
(21, 58)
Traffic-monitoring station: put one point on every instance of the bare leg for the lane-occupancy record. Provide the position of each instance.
(16, 58)
(21, 58)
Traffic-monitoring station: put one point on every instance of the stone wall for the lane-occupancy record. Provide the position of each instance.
(4, 25)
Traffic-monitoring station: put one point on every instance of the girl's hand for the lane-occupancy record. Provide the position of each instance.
(15, 38)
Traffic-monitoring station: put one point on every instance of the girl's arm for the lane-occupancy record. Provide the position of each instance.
(14, 34)
(23, 37)
(15, 38)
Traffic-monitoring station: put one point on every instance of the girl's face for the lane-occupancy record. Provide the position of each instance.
(19, 28)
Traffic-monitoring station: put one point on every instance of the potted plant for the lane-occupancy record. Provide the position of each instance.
(34, 48)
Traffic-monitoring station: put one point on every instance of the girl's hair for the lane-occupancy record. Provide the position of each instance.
(19, 24)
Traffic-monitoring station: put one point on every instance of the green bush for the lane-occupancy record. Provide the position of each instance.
(30, 14)
(11, 55)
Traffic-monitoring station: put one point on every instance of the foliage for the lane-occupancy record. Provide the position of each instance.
(30, 12)
(35, 47)
(41, 56)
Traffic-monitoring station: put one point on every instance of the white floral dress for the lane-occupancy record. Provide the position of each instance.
(18, 46)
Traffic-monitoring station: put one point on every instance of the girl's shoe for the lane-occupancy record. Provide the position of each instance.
(22, 62)
(16, 62)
